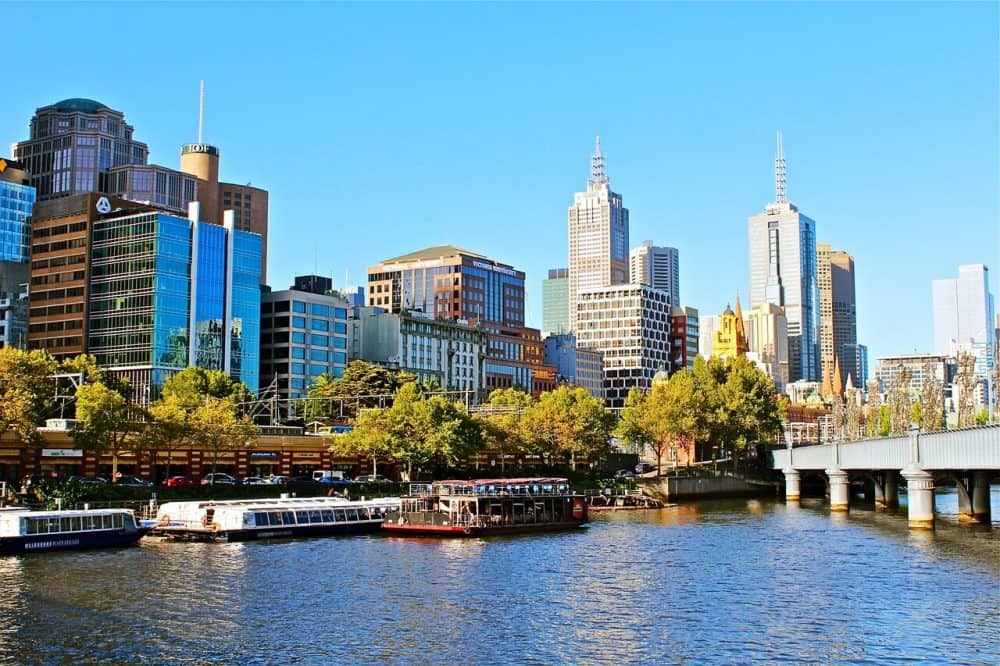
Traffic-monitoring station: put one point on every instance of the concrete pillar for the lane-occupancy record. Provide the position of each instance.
(980, 493)
(891, 489)
(792, 479)
(839, 489)
(920, 497)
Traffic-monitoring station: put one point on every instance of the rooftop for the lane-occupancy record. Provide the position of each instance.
(79, 104)
(436, 252)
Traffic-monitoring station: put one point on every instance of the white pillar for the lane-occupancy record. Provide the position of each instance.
(792, 488)
(839, 489)
(920, 497)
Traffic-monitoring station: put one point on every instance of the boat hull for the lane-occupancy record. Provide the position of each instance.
(39, 543)
(415, 529)
(272, 532)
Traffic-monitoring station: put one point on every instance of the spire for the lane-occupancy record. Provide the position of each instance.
(201, 111)
(850, 383)
(597, 174)
(742, 344)
(826, 390)
(838, 387)
(780, 174)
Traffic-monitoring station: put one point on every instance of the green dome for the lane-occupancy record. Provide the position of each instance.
(79, 104)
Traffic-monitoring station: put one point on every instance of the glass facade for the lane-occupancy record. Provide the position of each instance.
(15, 207)
(210, 296)
(244, 328)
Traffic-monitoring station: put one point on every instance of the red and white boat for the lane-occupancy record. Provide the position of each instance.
(483, 507)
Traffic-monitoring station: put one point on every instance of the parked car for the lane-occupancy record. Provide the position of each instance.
(644, 468)
(180, 482)
(333, 481)
(278, 480)
(302, 478)
(220, 479)
(254, 481)
(94, 480)
(133, 482)
(624, 474)
(371, 478)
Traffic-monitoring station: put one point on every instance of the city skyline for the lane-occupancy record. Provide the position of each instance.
(883, 179)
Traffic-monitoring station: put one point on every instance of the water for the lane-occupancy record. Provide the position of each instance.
(730, 582)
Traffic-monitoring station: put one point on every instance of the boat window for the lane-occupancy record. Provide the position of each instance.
(341, 516)
(327, 516)
(88, 522)
(288, 517)
(119, 521)
(352, 514)
(315, 516)
(302, 517)
(129, 520)
(31, 526)
(259, 518)
(75, 523)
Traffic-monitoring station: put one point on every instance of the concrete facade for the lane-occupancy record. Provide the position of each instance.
(574, 365)
(657, 266)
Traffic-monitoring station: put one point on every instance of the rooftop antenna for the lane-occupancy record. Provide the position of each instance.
(201, 111)
(780, 173)
(597, 174)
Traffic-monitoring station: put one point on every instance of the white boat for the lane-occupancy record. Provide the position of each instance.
(23, 531)
(242, 520)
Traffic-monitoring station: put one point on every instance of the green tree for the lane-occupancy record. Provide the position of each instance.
(216, 427)
(568, 421)
(500, 422)
(633, 421)
(675, 416)
(26, 392)
(371, 437)
(931, 401)
(167, 429)
(363, 385)
(105, 421)
(191, 386)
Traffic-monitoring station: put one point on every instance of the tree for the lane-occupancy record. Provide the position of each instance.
(899, 403)
(964, 386)
(633, 421)
(363, 385)
(168, 429)
(105, 421)
(26, 390)
(931, 401)
(215, 427)
(873, 411)
(371, 437)
(568, 421)
(675, 416)
(191, 386)
(500, 422)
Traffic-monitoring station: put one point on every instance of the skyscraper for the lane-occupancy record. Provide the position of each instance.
(598, 236)
(16, 200)
(963, 315)
(838, 336)
(659, 267)
(783, 271)
(555, 302)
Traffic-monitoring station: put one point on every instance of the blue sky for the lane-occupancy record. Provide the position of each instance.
(383, 128)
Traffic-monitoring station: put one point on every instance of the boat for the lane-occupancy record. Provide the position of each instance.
(245, 520)
(630, 500)
(25, 531)
(482, 507)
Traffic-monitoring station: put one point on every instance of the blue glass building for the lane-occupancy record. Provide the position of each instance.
(168, 292)
(16, 200)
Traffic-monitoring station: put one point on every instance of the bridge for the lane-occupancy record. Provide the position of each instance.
(970, 456)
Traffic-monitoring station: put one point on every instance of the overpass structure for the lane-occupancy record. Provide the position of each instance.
(970, 456)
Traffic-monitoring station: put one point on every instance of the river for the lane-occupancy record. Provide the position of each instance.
(734, 582)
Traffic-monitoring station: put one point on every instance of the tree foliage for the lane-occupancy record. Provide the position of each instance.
(26, 391)
(363, 385)
(500, 421)
(105, 421)
(568, 422)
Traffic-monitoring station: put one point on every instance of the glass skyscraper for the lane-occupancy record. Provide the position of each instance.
(16, 200)
(555, 302)
(167, 292)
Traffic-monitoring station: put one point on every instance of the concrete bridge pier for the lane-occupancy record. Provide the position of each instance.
(974, 499)
(839, 489)
(887, 492)
(920, 497)
(793, 491)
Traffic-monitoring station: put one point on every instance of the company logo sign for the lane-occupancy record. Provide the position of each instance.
(103, 206)
(497, 269)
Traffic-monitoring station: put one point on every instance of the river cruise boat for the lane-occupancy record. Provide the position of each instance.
(244, 520)
(481, 507)
(24, 531)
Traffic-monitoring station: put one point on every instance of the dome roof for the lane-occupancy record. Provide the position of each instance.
(79, 104)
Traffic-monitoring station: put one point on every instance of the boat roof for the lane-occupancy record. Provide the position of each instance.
(281, 503)
(71, 513)
(502, 482)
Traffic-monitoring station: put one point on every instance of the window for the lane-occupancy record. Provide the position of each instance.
(298, 306)
(298, 352)
(319, 325)
(299, 322)
(298, 337)
(318, 340)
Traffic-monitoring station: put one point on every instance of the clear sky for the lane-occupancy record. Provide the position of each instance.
(380, 129)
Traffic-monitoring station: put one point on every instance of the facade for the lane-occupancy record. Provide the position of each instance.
(767, 337)
(730, 339)
(838, 318)
(630, 325)
(888, 369)
(964, 318)
(303, 335)
(151, 184)
(167, 292)
(16, 200)
(450, 352)
(684, 334)
(555, 302)
(574, 365)
(659, 267)
(313, 284)
(707, 326)
(859, 353)
(598, 236)
(782, 245)
(72, 142)
(449, 283)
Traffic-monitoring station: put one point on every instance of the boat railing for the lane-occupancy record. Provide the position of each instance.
(490, 490)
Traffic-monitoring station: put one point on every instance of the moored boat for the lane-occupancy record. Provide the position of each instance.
(24, 531)
(481, 507)
(243, 520)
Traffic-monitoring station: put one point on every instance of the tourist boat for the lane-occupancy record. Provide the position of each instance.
(243, 520)
(481, 507)
(24, 531)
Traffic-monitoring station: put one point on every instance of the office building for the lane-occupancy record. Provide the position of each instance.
(448, 352)
(303, 334)
(16, 200)
(964, 318)
(767, 337)
(598, 236)
(576, 366)
(630, 325)
(888, 370)
(707, 326)
(167, 292)
(684, 334)
(837, 312)
(555, 302)
(859, 353)
(449, 283)
(782, 244)
(659, 267)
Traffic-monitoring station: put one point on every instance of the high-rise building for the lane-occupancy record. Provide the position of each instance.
(837, 312)
(167, 292)
(598, 236)
(16, 200)
(555, 302)
(684, 333)
(707, 326)
(963, 316)
(575, 365)
(659, 267)
(767, 337)
(303, 335)
(888, 370)
(783, 272)
(630, 325)
(450, 283)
